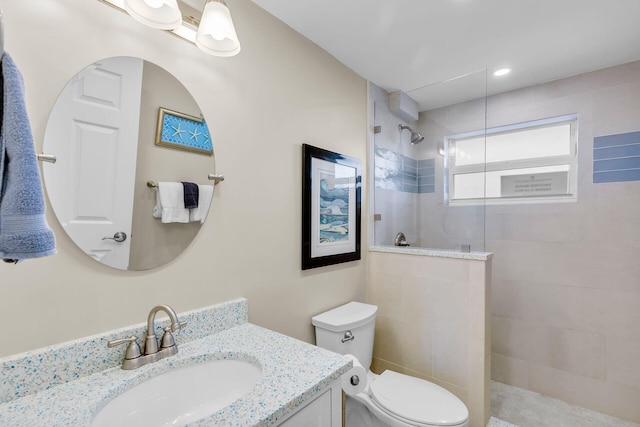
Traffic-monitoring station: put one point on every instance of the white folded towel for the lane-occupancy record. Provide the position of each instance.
(170, 203)
(204, 201)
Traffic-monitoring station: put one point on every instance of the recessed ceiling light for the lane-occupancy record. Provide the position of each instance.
(502, 72)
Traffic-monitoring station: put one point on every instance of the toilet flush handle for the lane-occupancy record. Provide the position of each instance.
(348, 336)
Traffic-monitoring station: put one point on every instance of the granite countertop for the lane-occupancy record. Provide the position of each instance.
(293, 372)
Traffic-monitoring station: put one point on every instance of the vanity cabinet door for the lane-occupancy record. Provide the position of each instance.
(324, 411)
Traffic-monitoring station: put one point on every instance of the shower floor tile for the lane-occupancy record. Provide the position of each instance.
(494, 422)
(525, 408)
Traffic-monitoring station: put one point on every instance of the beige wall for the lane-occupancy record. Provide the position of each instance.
(566, 283)
(280, 91)
(433, 322)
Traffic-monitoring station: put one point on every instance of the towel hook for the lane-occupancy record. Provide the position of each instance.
(215, 178)
(51, 158)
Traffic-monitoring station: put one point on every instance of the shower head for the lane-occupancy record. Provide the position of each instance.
(415, 136)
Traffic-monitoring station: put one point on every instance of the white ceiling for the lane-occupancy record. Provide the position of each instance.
(409, 44)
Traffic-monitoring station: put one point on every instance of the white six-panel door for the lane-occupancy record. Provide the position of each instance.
(93, 131)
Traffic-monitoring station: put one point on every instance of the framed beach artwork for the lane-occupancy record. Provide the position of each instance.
(182, 131)
(330, 208)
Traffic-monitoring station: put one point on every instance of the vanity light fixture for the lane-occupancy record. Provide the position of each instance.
(212, 30)
(161, 14)
(216, 33)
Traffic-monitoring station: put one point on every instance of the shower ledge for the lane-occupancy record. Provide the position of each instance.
(441, 253)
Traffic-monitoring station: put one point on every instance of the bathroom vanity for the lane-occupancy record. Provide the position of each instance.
(70, 383)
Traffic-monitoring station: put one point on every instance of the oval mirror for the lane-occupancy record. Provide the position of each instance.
(118, 127)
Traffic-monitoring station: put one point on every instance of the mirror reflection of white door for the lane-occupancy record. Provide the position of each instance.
(95, 139)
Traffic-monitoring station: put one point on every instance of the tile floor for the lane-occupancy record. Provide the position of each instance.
(494, 422)
(524, 408)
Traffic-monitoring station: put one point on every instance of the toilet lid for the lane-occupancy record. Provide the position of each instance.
(417, 400)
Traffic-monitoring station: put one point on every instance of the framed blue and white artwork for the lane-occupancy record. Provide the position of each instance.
(330, 208)
(184, 132)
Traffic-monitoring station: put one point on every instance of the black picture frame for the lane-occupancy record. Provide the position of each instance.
(331, 207)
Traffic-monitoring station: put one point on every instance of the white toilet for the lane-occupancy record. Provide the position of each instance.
(391, 398)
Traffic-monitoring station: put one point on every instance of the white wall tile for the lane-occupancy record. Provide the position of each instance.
(434, 324)
(509, 370)
(511, 337)
(451, 358)
(566, 276)
(582, 353)
(623, 356)
(617, 109)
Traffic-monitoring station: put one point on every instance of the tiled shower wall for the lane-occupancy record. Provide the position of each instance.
(393, 171)
(401, 173)
(433, 322)
(616, 158)
(566, 276)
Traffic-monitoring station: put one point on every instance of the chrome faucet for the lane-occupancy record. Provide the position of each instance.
(401, 240)
(134, 358)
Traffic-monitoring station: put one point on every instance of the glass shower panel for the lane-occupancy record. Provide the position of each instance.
(412, 180)
(396, 180)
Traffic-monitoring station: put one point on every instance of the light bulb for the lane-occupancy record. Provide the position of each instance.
(162, 14)
(216, 33)
(156, 4)
(217, 22)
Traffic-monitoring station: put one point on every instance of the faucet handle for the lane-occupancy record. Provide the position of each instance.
(175, 327)
(133, 349)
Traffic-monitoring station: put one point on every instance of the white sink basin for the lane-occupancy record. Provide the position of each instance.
(180, 396)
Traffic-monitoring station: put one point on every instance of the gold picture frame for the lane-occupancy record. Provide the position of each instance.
(183, 132)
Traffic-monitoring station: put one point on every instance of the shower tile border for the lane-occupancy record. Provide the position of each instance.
(395, 171)
(616, 158)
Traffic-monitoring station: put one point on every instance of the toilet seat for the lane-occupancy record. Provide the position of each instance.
(417, 402)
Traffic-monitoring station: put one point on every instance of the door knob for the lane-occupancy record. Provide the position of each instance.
(119, 237)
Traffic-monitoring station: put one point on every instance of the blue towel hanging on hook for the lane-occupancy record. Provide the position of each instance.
(24, 232)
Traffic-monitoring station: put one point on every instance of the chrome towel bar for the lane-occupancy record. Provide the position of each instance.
(215, 178)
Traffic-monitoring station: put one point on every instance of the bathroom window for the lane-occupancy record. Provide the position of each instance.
(523, 162)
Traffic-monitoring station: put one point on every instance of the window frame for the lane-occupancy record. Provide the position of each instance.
(571, 159)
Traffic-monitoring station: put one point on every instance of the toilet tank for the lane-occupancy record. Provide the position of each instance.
(348, 329)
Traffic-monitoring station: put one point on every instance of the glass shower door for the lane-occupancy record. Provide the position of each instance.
(412, 181)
